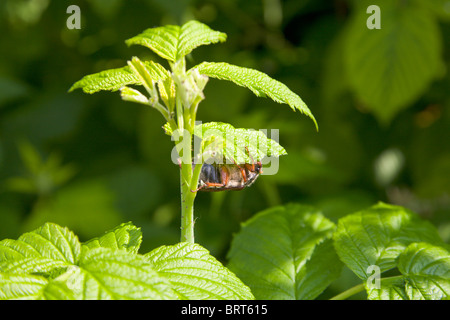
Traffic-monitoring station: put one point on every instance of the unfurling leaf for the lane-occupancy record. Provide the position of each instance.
(173, 42)
(114, 79)
(111, 80)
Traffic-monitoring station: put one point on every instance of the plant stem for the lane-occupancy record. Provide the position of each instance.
(187, 212)
(350, 292)
(187, 196)
(188, 175)
(358, 288)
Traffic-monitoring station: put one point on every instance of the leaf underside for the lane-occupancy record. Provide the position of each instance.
(238, 145)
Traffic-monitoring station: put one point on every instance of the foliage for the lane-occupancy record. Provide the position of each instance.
(181, 92)
(92, 162)
(294, 252)
(290, 252)
(50, 263)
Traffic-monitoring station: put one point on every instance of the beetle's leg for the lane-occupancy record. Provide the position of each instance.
(244, 175)
(224, 175)
(251, 158)
(202, 185)
(254, 162)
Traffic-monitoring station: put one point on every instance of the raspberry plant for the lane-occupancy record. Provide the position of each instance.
(177, 93)
(285, 252)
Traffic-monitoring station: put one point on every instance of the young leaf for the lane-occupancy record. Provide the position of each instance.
(125, 236)
(111, 80)
(116, 274)
(41, 250)
(285, 253)
(258, 82)
(174, 42)
(114, 79)
(195, 274)
(223, 140)
(148, 72)
(378, 235)
(129, 94)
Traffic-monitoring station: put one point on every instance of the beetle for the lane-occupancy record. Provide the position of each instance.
(220, 177)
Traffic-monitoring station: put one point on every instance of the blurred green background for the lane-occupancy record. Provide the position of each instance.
(90, 162)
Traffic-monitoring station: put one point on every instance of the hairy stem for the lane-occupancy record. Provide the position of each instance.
(187, 197)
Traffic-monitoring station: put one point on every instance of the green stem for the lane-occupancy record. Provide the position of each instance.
(187, 196)
(350, 292)
(358, 288)
(187, 212)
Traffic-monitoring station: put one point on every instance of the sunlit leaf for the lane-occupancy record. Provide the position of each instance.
(125, 236)
(174, 42)
(285, 253)
(258, 82)
(195, 274)
(378, 235)
(223, 140)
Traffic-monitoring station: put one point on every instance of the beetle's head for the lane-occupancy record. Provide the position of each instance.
(258, 167)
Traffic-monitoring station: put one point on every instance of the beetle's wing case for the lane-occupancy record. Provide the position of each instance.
(210, 173)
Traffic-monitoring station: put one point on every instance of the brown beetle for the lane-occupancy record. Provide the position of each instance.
(220, 177)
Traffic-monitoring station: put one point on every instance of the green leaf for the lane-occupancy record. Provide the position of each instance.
(111, 80)
(173, 42)
(223, 140)
(129, 94)
(425, 275)
(105, 274)
(32, 287)
(148, 72)
(427, 271)
(391, 67)
(125, 236)
(378, 235)
(195, 274)
(258, 82)
(42, 250)
(285, 253)
(23, 286)
(390, 289)
(115, 79)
